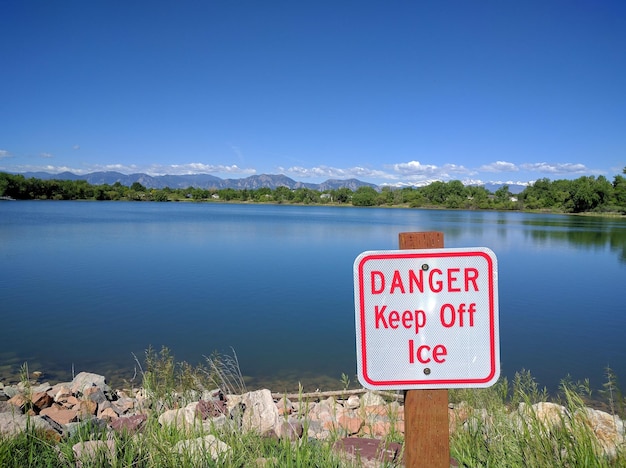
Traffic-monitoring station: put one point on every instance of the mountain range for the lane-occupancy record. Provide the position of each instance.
(208, 181)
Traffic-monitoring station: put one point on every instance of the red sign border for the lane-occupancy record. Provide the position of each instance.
(421, 254)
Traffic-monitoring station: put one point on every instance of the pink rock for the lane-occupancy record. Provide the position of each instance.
(108, 414)
(19, 401)
(62, 392)
(60, 415)
(41, 400)
(129, 424)
(87, 407)
(368, 452)
(350, 424)
(70, 402)
(377, 429)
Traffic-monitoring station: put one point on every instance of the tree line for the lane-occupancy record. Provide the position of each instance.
(585, 194)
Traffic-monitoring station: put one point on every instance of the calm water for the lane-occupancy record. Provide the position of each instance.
(84, 285)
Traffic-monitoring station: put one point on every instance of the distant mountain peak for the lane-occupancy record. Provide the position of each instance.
(203, 181)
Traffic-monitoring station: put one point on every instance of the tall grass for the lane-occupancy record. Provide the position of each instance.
(501, 428)
(510, 433)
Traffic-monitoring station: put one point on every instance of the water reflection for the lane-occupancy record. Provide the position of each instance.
(275, 283)
(613, 238)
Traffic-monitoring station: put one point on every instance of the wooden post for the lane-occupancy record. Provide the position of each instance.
(426, 437)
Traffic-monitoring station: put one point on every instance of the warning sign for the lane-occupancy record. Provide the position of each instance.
(427, 318)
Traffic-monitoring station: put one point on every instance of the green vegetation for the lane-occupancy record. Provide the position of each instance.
(583, 195)
(493, 427)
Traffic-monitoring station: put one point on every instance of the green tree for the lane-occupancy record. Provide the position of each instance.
(262, 194)
(282, 193)
(364, 196)
(414, 197)
(306, 196)
(341, 195)
(159, 196)
(477, 197)
(619, 190)
(435, 192)
(136, 186)
(503, 198)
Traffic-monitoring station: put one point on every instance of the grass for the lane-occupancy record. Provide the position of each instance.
(493, 433)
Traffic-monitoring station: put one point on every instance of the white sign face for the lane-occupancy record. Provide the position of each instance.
(427, 318)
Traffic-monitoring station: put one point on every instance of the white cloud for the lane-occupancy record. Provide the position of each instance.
(414, 168)
(565, 168)
(44, 168)
(154, 170)
(509, 182)
(173, 169)
(76, 147)
(417, 174)
(499, 166)
(45, 155)
(4, 154)
(333, 172)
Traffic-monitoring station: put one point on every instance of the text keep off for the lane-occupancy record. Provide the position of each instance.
(427, 318)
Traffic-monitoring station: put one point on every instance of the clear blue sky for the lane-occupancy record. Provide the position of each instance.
(389, 92)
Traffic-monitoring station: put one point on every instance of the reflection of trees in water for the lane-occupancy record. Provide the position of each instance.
(614, 238)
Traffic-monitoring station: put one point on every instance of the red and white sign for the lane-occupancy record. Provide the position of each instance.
(427, 318)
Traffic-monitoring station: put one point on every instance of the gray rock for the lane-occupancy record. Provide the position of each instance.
(199, 448)
(85, 380)
(10, 391)
(371, 399)
(291, 429)
(94, 452)
(13, 423)
(260, 412)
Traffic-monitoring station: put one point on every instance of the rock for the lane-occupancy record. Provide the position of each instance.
(260, 413)
(108, 414)
(60, 392)
(94, 452)
(368, 452)
(89, 426)
(6, 407)
(71, 402)
(349, 423)
(181, 418)
(95, 394)
(123, 405)
(353, 402)
(19, 401)
(59, 414)
(291, 429)
(371, 399)
(13, 423)
(550, 415)
(86, 408)
(85, 380)
(41, 400)
(59, 429)
(43, 387)
(211, 409)
(284, 406)
(197, 449)
(130, 424)
(608, 429)
(10, 391)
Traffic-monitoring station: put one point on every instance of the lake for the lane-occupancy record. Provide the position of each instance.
(89, 285)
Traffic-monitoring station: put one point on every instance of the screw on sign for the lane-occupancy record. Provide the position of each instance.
(427, 318)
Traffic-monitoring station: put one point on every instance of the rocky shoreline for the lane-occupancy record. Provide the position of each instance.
(361, 419)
